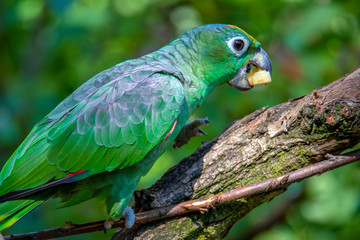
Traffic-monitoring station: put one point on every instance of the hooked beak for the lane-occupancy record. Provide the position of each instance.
(256, 71)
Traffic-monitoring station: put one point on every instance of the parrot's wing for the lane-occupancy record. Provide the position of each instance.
(108, 127)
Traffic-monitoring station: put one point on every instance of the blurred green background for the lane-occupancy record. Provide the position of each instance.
(48, 48)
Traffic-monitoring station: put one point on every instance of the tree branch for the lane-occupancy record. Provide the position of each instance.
(275, 142)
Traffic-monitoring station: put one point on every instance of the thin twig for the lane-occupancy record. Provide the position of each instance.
(202, 204)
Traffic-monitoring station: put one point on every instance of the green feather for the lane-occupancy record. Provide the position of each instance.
(105, 136)
(12, 211)
(68, 148)
(128, 135)
(21, 173)
(80, 153)
(123, 153)
(95, 159)
(115, 135)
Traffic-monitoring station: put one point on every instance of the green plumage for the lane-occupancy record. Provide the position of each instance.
(113, 128)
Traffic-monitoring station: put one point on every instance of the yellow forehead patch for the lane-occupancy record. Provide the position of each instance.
(248, 35)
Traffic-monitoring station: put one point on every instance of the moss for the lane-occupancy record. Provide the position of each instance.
(172, 229)
(336, 119)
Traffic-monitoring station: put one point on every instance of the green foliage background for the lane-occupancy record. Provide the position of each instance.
(48, 48)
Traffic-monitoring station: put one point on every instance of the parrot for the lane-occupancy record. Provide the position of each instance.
(100, 140)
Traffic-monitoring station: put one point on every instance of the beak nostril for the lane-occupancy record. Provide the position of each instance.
(250, 67)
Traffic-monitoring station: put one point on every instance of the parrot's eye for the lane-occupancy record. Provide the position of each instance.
(238, 44)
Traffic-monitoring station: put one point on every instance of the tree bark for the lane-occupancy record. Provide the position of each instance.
(264, 144)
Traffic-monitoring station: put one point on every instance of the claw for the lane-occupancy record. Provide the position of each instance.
(128, 215)
(190, 130)
(198, 122)
(108, 224)
(201, 132)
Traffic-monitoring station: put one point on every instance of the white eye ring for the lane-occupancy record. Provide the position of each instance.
(238, 45)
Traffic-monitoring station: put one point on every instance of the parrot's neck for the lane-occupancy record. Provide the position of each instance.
(186, 65)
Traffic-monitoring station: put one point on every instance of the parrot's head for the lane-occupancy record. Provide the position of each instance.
(228, 54)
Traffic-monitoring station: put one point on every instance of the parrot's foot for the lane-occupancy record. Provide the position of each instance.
(190, 130)
(128, 215)
(1, 237)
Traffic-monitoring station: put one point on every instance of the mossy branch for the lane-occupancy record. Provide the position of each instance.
(262, 146)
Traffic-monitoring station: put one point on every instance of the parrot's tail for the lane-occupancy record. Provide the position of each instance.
(12, 211)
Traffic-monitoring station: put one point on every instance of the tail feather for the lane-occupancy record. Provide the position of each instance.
(12, 211)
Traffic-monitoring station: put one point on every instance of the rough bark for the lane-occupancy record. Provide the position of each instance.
(265, 144)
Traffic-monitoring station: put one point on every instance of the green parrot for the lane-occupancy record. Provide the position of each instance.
(108, 133)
